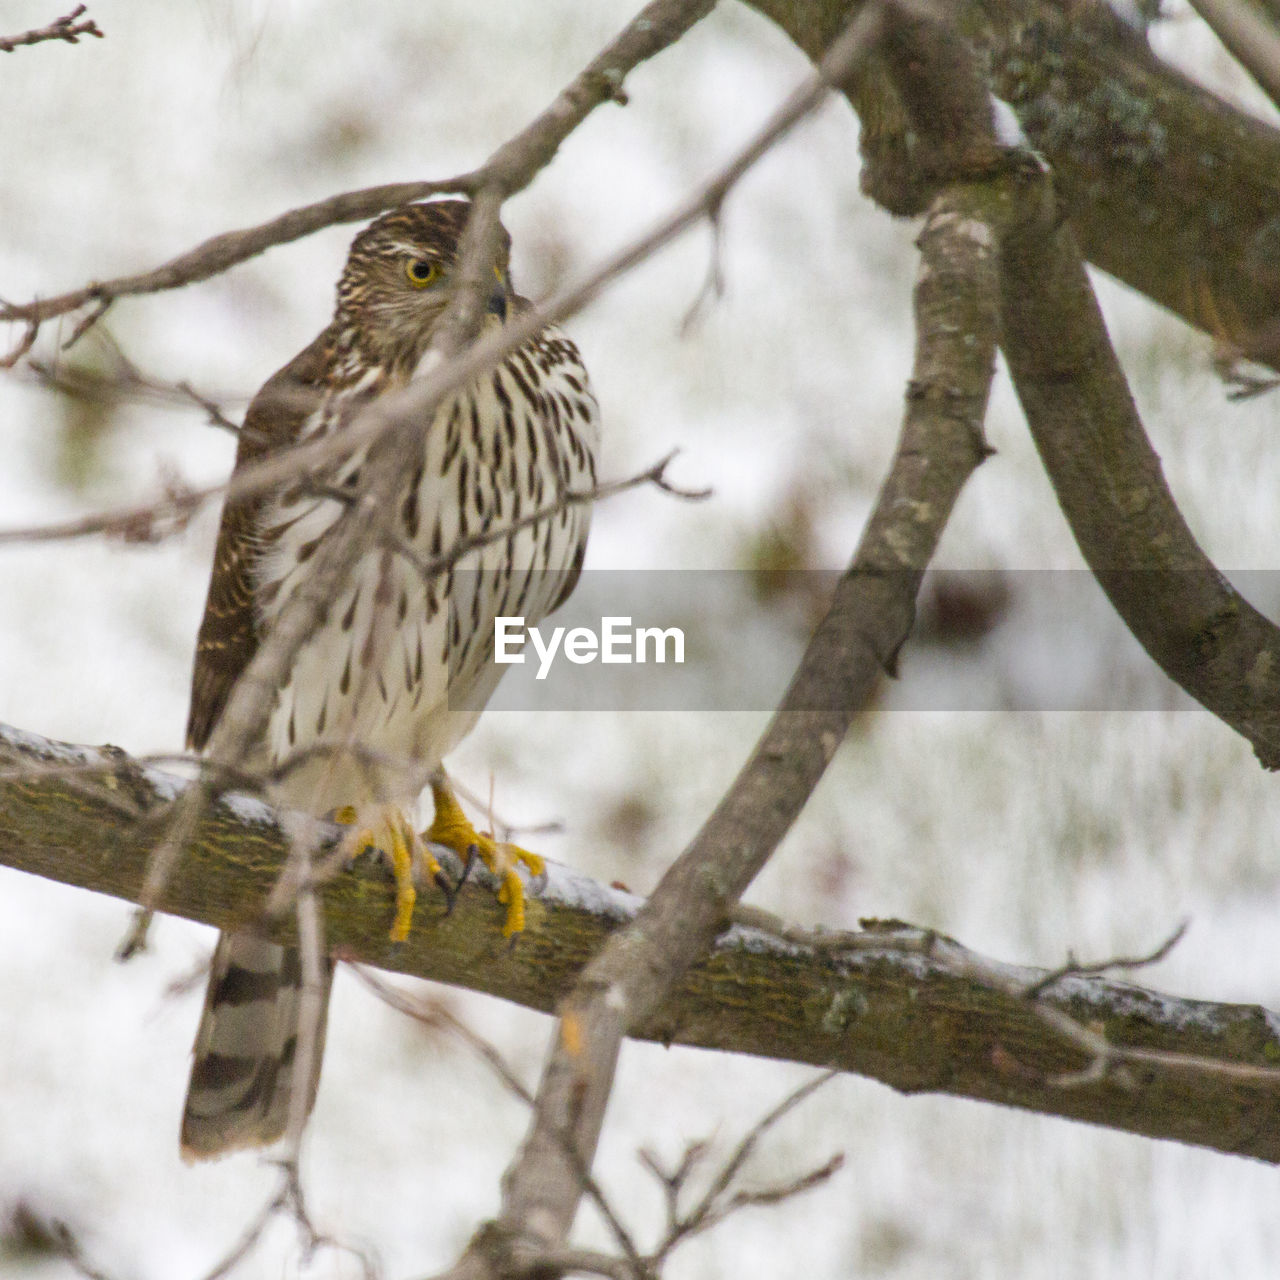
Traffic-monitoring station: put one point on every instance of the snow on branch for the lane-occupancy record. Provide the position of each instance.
(903, 1005)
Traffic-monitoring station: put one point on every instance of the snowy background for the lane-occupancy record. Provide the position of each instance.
(1022, 833)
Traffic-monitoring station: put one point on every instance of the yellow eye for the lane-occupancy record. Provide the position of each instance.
(421, 272)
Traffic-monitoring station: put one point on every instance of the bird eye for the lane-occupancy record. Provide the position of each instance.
(421, 272)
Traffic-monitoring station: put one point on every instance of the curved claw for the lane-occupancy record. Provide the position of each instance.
(448, 888)
(454, 830)
(468, 862)
(388, 832)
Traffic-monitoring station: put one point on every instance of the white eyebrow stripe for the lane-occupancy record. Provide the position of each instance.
(414, 250)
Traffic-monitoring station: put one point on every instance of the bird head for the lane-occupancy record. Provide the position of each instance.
(399, 276)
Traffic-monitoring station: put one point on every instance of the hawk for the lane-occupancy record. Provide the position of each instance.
(398, 671)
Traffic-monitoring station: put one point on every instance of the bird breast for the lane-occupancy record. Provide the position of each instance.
(401, 666)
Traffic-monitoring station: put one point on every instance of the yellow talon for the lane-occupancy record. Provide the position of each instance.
(395, 837)
(511, 893)
(453, 829)
(402, 870)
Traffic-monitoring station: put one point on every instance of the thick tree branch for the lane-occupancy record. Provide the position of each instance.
(1192, 622)
(1168, 188)
(914, 1010)
(1108, 479)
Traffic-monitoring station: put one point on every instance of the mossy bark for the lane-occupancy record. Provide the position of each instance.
(893, 1003)
(1167, 187)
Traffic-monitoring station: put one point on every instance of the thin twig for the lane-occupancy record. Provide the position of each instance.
(314, 995)
(288, 1199)
(126, 379)
(1074, 967)
(179, 832)
(511, 167)
(248, 1239)
(101, 305)
(435, 1015)
(712, 288)
(67, 29)
(73, 1251)
(230, 248)
(655, 475)
(25, 343)
(757, 1131)
(715, 1204)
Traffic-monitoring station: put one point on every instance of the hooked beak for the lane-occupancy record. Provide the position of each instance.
(498, 298)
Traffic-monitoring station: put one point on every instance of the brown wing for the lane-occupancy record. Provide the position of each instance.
(229, 632)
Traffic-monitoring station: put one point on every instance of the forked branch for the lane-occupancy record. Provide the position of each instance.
(68, 29)
(512, 167)
(870, 616)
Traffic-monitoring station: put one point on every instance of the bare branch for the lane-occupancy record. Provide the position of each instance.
(512, 167)
(784, 1190)
(712, 287)
(68, 29)
(716, 1203)
(288, 1200)
(99, 307)
(1250, 36)
(868, 618)
(314, 995)
(66, 1243)
(25, 343)
(1104, 1054)
(124, 379)
(432, 1013)
(1074, 967)
(751, 1139)
(1109, 482)
(221, 252)
(903, 1005)
(654, 475)
(179, 832)
(248, 1239)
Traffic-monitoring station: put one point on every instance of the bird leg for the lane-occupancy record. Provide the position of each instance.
(392, 834)
(453, 829)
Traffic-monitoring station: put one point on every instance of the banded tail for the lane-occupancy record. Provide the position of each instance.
(242, 1075)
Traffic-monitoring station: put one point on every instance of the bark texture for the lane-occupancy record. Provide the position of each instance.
(1167, 187)
(893, 1003)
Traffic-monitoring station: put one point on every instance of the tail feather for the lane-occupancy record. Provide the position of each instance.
(242, 1073)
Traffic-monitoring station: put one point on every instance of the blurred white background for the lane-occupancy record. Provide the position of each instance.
(1023, 834)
